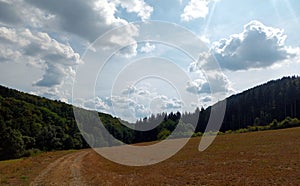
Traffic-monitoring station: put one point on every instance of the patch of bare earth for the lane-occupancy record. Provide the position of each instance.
(258, 158)
(23, 171)
(63, 171)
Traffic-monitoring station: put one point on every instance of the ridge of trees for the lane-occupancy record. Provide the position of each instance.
(31, 123)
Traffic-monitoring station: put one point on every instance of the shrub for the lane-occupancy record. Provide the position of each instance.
(196, 134)
(163, 134)
(228, 132)
(241, 131)
(31, 152)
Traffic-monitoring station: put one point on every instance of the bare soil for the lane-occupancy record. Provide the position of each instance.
(258, 158)
(64, 171)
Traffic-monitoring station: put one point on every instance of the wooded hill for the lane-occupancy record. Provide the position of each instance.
(261, 105)
(30, 123)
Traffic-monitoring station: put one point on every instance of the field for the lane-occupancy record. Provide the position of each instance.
(257, 158)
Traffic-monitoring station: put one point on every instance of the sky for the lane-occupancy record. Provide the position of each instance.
(132, 58)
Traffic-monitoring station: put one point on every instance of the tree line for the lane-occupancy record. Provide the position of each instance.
(30, 124)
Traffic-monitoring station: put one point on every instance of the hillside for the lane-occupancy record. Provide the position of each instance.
(269, 106)
(259, 106)
(262, 104)
(30, 123)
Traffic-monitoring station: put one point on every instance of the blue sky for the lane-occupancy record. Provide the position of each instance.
(46, 45)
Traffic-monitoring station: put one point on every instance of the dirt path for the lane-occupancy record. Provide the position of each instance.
(256, 158)
(63, 171)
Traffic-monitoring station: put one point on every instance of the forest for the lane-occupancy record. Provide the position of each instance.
(30, 124)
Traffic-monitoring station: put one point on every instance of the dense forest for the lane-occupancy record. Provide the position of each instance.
(261, 105)
(29, 123)
(258, 106)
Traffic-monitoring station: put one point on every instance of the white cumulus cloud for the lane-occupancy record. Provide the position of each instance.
(142, 9)
(38, 49)
(195, 9)
(258, 46)
(148, 48)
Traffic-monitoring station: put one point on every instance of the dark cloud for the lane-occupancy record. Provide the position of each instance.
(8, 13)
(53, 76)
(89, 19)
(74, 16)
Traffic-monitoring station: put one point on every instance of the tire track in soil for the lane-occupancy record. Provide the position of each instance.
(64, 171)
